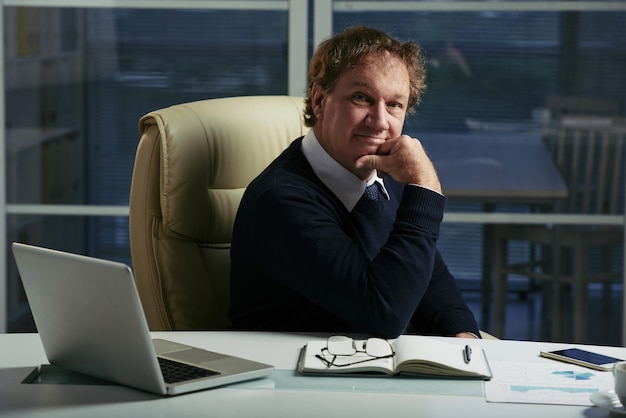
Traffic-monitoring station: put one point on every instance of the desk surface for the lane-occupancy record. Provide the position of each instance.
(285, 394)
(494, 166)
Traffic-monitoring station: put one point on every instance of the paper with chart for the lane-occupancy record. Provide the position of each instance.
(544, 383)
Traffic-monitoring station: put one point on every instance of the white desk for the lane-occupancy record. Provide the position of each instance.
(285, 394)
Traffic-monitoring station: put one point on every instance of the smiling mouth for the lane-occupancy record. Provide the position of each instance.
(373, 140)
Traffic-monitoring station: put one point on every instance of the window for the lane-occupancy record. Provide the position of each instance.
(78, 79)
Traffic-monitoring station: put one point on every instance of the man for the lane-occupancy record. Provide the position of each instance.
(311, 252)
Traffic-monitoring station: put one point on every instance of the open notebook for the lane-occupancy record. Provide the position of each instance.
(90, 320)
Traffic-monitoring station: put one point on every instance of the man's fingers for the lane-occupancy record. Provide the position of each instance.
(386, 147)
(367, 162)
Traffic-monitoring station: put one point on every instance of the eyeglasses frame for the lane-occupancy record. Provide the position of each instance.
(332, 363)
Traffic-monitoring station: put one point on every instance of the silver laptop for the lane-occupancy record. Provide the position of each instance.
(90, 320)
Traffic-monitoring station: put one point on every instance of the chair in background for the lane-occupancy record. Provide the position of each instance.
(193, 163)
(558, 107)
(589, 152)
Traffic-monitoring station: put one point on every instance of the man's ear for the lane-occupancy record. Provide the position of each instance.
(317, 99)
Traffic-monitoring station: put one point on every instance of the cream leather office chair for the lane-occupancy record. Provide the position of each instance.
(193, 163)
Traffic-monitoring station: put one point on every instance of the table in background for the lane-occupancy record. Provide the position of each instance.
(491, 168)
(496, 167)
(285, 394)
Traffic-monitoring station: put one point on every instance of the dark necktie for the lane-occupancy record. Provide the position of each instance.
(373, 218)
(371, 191)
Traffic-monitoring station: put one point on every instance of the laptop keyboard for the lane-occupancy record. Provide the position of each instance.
(174, 372)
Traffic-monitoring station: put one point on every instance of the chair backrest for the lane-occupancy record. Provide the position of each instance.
(560, 106)
(193, 163)
(590, 156)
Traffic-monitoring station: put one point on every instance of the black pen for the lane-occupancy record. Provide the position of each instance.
(467, 354)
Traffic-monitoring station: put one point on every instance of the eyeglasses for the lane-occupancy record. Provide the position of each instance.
(341, 347)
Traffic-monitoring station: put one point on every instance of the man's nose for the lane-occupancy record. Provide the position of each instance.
(377, 117)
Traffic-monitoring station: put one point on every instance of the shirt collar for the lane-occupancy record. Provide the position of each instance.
(345, 185)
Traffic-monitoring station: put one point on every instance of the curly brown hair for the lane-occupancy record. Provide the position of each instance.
(346, 50)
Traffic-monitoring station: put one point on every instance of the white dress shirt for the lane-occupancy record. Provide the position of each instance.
(343, 183)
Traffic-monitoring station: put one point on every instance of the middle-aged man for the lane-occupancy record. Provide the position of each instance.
(310, 250)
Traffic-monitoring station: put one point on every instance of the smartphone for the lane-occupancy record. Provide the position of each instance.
(582, 358)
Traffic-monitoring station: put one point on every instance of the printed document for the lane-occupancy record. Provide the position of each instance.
(541, 383)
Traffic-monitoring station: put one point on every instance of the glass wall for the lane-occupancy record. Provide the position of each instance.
(498, 79)
(78, 79)
(76, 82)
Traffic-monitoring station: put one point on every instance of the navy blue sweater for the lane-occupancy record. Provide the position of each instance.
(301, 262)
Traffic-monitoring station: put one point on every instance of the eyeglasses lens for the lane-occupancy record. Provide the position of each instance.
(377, 347)
(341, 346)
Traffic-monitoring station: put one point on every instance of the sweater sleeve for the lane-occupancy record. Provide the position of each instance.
(443, 310)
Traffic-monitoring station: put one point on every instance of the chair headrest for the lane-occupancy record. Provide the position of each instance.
(211, 150)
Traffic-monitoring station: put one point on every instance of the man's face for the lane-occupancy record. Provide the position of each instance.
(367, 107)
